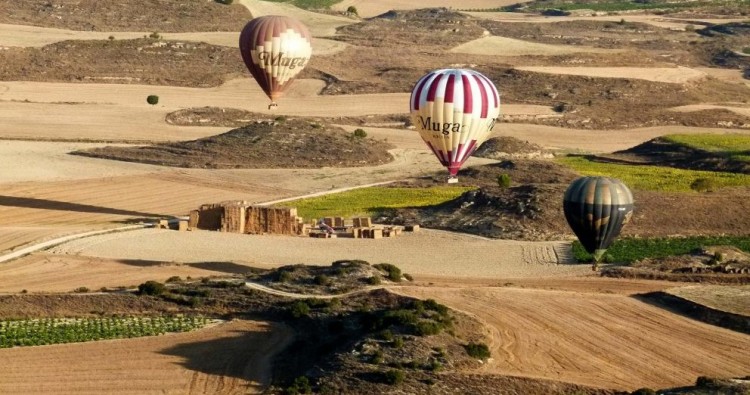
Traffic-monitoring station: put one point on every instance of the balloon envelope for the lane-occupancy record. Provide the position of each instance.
(596, 209)
(275, 49)
(454, 111)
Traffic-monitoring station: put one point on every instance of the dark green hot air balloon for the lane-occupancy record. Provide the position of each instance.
(596, 209)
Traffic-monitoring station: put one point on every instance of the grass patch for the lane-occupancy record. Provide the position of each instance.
(735, 146)
(653, 178)
(629, 250)
(309, 4)
(371, 201)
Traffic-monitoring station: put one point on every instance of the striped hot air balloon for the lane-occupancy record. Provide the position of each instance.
(454, 111)
(275, 49)
(596, 209)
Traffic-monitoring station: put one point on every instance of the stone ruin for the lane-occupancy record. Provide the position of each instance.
(243, 217)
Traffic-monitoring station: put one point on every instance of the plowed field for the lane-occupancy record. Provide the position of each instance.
(601, 340)
(231, 358)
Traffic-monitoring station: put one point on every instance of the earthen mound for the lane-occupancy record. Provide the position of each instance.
(293, 143)
(663, 152)
(510, 148)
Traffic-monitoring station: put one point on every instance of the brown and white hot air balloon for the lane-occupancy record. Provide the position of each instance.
(454, 111)
(275, 49)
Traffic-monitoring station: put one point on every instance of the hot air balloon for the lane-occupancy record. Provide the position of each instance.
(596, 209)
(454, 111)
(275, 49)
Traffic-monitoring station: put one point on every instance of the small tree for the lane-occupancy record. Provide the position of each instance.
(152, 99)
(352, 10)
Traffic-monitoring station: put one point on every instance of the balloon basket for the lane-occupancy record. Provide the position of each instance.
(272, 106)
(453, 180)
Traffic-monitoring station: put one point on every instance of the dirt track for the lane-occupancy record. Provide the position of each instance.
(503, 46)
(231, 358)
(595, 339)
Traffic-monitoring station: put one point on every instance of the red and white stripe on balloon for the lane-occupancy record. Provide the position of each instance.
(454, 111)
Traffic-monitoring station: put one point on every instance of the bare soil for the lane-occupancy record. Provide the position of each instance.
(113, 15)
(281, 143)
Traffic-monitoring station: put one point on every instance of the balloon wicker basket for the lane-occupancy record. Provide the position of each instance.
(272, 106)
(452, 180)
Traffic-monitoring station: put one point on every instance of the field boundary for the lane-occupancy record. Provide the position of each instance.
(697, 311)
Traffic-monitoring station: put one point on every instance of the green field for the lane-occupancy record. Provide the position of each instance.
(14, 333)
(653, 178)
(629, 250)
(734, 146)
(370, 201)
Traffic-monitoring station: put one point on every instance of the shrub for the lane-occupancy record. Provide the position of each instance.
(374, 280)
(154, 35)
(283, 276)
(174, 279)
(359, 133)
(746, 50)
(81, 290)
(153, 288)
(386, 335)
(394, 273)
(427, 328)
(299, 309)
(394, 377)
(301, 385)
(280, 118)
(322, 279)
(152, 99)
(111, 38)
(503, 181)
(703, 185)
(352, 10)
(408, 277)
(477, 350)
(398, 342)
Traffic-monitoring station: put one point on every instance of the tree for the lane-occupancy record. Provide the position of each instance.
(152, 99)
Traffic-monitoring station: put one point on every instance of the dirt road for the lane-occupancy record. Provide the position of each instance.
(602, 340)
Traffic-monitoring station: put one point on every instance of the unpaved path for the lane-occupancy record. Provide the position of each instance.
(504, 46)
(675, 75)
(231, 358)
(739, 108)
(595, 339)
(427, 252)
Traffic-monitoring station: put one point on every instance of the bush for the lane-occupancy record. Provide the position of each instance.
(322, 279)
(477, 350)
(703, 185)
(394, 273)
(153, 288)
(408, 277)
(503, 181)
(386, 335)
(428, 328)
(359, 133)
(152, 99)
(81, 290)
(154, 35)
(283, 276)
(111, 38)
(174, 279)
(299, 309)
(301, 385)
(374, 280)
(352, 10)
(398, 342)
(394, 377)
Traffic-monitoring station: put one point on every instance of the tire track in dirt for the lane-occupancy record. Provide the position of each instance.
(602, 340)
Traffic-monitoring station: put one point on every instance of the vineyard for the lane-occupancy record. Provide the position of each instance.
(44, 331)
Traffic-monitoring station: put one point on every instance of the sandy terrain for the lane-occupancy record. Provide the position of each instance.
(185, 363)
(447, 256)
(595, 339)
(654, 20)
(320, 25)
(368, 8)
(675, 75)
(43, 272)
(735, 299)
(742, 109)
(504, 46)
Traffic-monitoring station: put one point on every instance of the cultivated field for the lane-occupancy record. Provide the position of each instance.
(564, 83)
